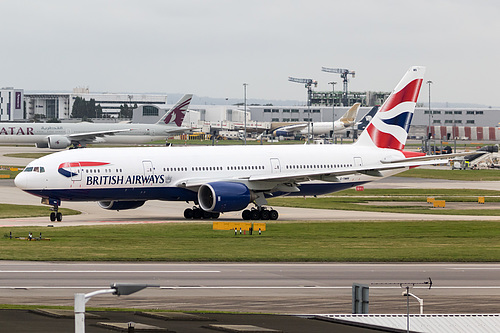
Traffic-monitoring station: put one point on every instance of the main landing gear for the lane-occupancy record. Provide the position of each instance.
(197, 213)
(260, 213)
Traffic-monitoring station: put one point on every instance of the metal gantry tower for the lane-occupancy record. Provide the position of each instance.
(343, 74)
(308, 83)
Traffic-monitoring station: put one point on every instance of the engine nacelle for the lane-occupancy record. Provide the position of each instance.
(120, 205)
(41, 145)
(224, 197)
(58, 141)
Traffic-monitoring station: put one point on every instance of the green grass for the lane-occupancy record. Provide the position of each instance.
(455, 241)
(15, 211)
(7, 173)
(471, 175)
(352, 200)
(400, 194)
(27, 155)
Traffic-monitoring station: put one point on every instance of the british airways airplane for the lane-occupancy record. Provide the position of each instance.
(221, 179)
(61, 136)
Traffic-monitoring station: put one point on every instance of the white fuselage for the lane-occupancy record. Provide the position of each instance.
(173, 173)
(325, 128)
(37, 133)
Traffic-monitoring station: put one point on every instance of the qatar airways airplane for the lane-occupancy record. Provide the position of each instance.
(61, 136)
(221, 179)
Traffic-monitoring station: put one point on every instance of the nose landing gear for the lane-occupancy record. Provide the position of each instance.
(55, 215)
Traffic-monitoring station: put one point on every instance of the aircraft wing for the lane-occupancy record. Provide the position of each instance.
(419, 159)
(331, 175)
(90, 136)
(293, 128)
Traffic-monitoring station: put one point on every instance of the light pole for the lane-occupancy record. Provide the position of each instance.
(115, 289)
(430, 113)
(245, 97)
(333, 108)
(420, 301)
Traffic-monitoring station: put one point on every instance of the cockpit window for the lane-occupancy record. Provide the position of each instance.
(34, 169)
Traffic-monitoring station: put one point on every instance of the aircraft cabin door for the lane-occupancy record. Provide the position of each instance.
(275, 165)
(76, 171)
(358, 161)
(148, 168)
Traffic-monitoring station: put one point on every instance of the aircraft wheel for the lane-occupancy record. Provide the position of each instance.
(246, 215)
(264, 214)
(255, 214)
(206, 215)
(197, 213)
(215, 215)
(273, 215)
(188, 213)
(59, 217)
(53, 216)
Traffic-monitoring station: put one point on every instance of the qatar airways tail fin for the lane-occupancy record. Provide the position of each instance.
(176, 114)
(389, 128)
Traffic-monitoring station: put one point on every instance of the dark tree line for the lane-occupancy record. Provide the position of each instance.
(89, 109)
(86, 109)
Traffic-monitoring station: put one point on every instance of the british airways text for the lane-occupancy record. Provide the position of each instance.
(125, 180)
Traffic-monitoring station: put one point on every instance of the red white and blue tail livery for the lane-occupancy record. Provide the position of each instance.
(389, 128)
(219, 179)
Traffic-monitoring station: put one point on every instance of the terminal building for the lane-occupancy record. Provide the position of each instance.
(445, 123)
(60, 105)
(11, 104)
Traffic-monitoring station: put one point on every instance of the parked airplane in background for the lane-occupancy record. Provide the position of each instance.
(321, 128)
(221, 179)
(361, 125)
(63, 135)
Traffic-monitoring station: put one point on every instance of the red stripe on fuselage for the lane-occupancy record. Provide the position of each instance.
(79, 164)
(409, 154)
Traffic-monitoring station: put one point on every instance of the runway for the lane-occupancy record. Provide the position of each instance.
(298, 288)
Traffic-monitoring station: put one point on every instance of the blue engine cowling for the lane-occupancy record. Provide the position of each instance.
(120, 205)
(224, 197)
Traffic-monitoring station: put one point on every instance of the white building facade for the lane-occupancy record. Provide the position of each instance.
(11, 104)
(60, 105)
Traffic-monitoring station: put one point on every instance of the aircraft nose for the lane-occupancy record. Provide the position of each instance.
(20, 180)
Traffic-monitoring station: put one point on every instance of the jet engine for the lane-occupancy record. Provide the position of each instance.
(224, 197)
(58, 141)
(120, 205)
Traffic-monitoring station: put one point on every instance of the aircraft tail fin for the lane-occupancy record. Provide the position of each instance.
(389, 128)
(350, 116)
(177, 113)
(367, 118)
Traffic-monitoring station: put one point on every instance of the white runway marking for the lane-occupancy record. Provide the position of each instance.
(99, 271)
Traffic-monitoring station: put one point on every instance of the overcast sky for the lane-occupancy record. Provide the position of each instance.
(210, 48)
